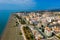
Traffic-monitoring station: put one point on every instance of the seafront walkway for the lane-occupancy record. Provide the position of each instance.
(21, 27)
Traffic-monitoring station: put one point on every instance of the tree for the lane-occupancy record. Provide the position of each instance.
(20, 33)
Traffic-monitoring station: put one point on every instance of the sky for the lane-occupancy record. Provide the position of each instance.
(29, 4)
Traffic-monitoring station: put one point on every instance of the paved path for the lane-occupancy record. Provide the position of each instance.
(21, 27)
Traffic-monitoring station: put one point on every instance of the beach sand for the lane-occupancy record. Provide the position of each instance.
(11, 32)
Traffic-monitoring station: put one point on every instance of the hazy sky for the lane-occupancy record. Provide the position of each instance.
(29, 4)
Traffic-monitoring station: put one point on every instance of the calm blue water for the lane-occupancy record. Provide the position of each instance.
(4, 16)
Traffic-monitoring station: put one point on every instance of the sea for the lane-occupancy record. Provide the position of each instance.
(4, 16)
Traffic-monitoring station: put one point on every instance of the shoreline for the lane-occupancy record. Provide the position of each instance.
(11, 31)
(5, 29)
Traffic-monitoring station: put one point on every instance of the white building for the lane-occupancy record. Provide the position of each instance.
(47, 31)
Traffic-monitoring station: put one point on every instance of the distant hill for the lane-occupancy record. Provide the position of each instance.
(55, 10)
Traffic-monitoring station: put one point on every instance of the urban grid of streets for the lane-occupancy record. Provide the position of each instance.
(44, 26)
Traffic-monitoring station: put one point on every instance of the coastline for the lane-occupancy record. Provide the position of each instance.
(6, 27)
(11, 31)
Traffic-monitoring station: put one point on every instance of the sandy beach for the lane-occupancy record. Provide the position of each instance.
(11, 32)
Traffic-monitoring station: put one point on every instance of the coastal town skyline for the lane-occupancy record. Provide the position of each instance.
(33, 26)
(29, 19)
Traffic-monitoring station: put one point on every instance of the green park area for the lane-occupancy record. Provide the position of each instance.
(28, 33)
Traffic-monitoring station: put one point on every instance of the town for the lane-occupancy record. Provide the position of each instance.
(40, 26)
(33, 26)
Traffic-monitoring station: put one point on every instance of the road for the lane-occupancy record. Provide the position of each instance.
(21, 27)
(37, 30)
